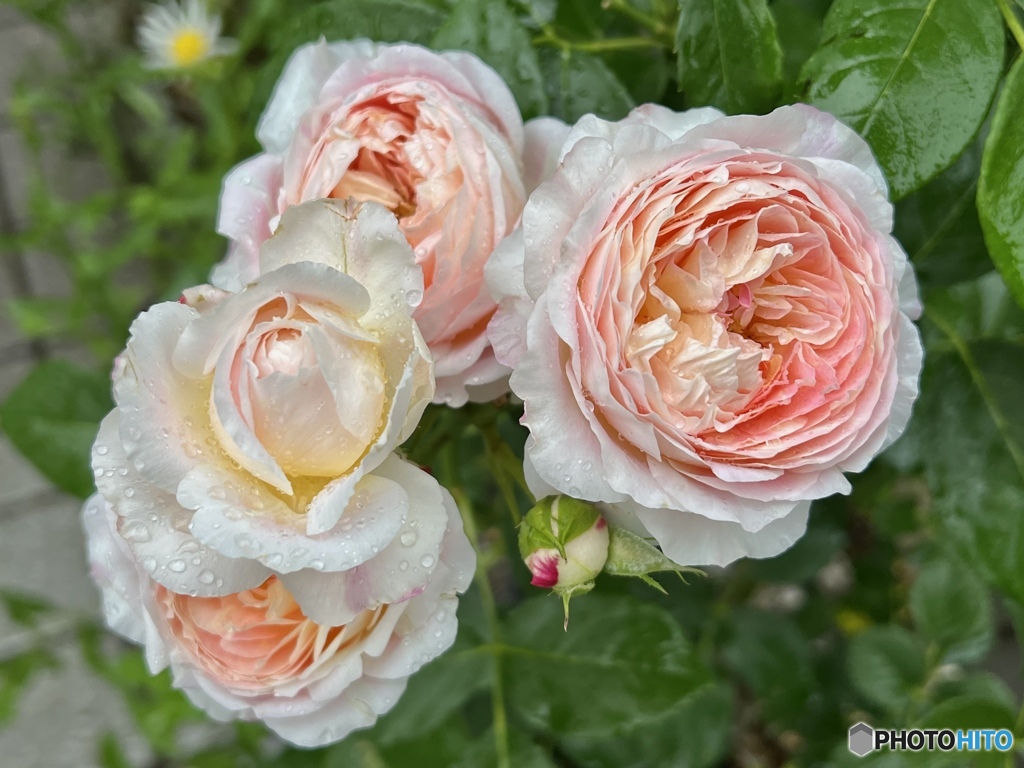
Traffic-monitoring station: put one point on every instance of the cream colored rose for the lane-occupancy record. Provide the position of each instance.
(251, 428)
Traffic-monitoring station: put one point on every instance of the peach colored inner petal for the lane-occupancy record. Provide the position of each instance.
(311, 425)
(259, 638)
(742, 309)
(412, 147)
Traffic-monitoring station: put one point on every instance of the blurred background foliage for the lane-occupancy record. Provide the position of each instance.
(901, 606)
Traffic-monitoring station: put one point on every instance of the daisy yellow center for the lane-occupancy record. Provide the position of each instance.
(188, 46)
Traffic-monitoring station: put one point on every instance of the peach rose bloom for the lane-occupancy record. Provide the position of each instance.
(436, 138)
(255, 654)
(709, 323)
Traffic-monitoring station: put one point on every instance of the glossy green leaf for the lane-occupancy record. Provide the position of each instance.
(885, 665)
(729, 55)
(694, 733)
(388, 21)
(973, 311)
(951, 608)
(915, 78)
(52, 418)
(1001, 186)
(938, 225)
(968, 427)
(580, 83)
(492, 31)
(621, 664)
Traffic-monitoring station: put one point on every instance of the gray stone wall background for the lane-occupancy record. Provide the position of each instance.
(64, 712)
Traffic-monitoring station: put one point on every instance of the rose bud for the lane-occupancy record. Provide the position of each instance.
(564, 543)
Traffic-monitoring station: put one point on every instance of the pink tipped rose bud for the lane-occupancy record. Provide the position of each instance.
(564, 543)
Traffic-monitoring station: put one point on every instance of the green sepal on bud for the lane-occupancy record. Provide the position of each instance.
(632, 555)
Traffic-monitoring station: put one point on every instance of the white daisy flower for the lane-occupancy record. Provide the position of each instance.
(176, 36)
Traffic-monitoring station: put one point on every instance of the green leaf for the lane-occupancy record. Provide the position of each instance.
(951, 608)
(621, 664)
(729, 55)
(434, 694)
(52, 417)
(110, 753)
(695, 733)
(771, 655)
(159, 710)
(969, 431)
(579, 83)
(885, 665)
(388, 21)
(973, 311)
(23, 609)
(915, 78)
(523, 753)
(982, 685)
(965, 713)
(16, 673)
(443, 747)
(939, 227)
(39, 317)
(1001, 186)
(492, 31)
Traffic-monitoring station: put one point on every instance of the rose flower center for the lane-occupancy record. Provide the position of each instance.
(312, 389)
(739, 293)
(259, 638)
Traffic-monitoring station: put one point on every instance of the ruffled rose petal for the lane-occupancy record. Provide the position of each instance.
(155, 527)
(252, 522)
(398, 571)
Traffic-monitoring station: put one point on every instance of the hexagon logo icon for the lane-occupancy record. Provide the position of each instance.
(862, 739)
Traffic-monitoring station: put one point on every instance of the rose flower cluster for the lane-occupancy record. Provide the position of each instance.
(706, 318)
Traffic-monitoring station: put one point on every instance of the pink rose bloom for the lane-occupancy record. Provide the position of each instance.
(255, 653)
(435, 138)
(709, 323)
(254, 432)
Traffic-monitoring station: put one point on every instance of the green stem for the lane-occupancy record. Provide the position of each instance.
(596, 46)
(1016, 29)
(623, 7)
(507, 474)
(491, 610)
